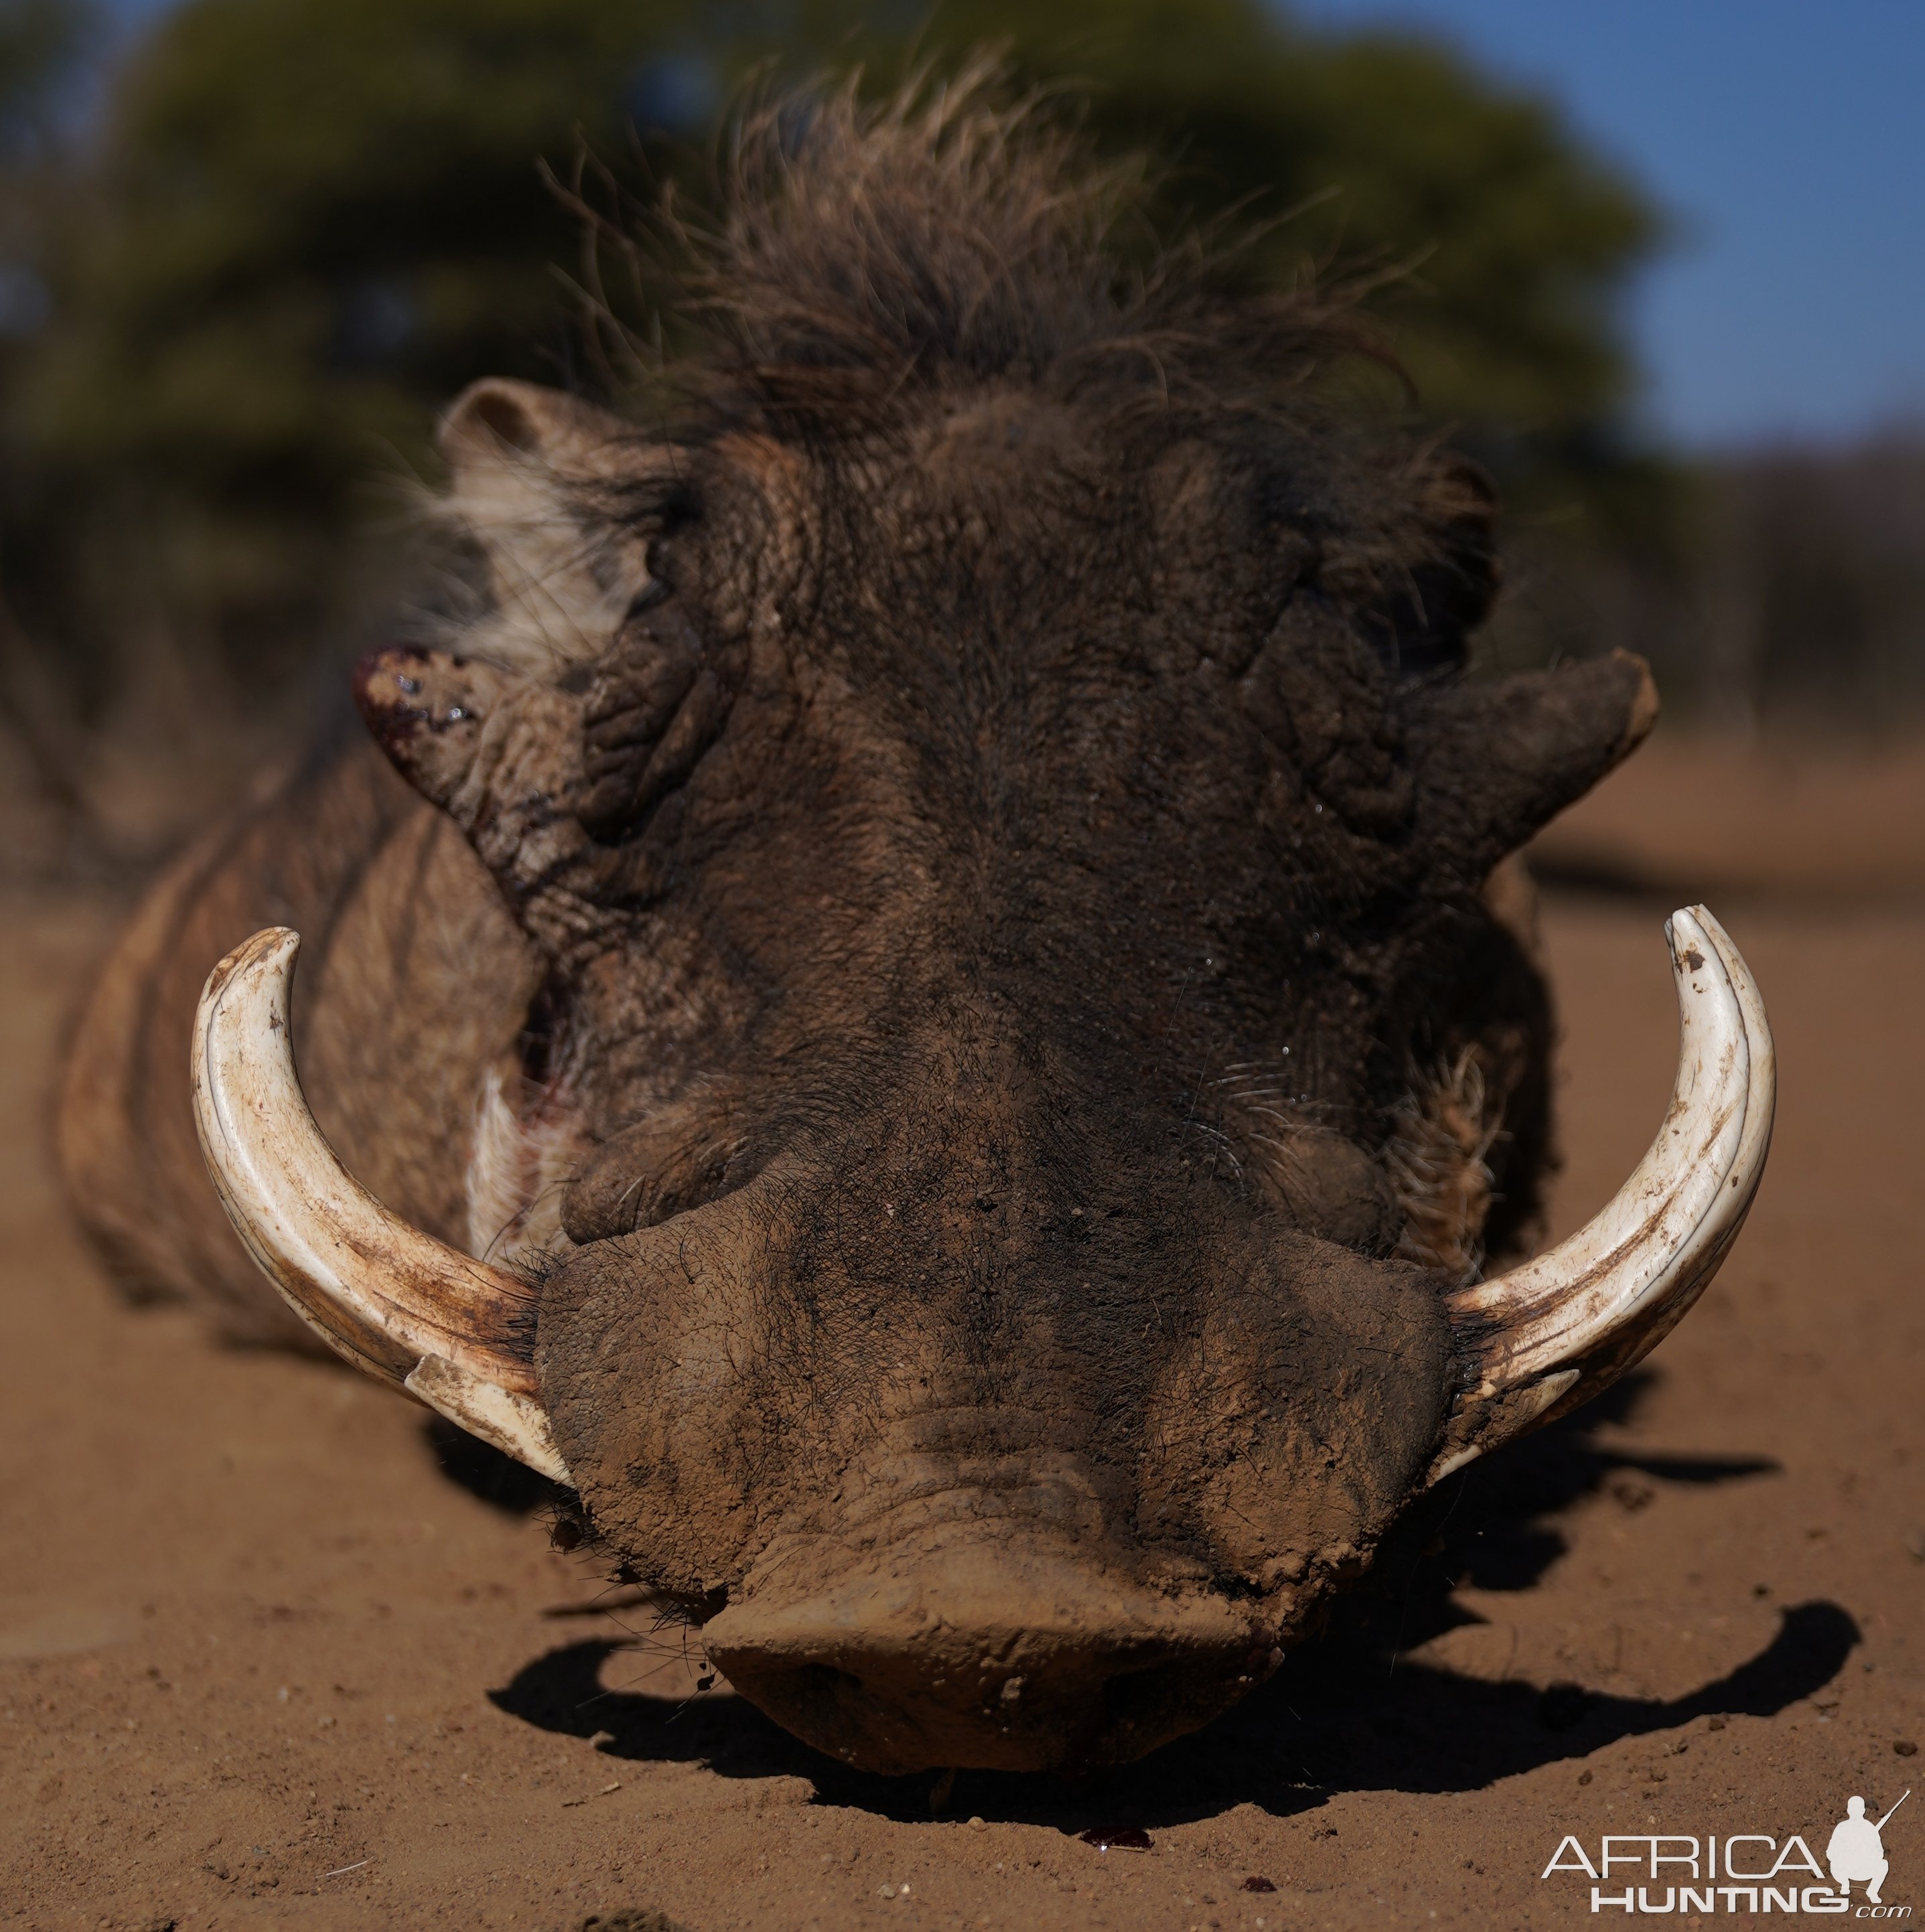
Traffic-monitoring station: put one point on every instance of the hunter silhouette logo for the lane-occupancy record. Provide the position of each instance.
(1857, 1852)
(1743, 1871)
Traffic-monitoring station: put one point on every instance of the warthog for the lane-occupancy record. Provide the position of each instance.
(927, 1024)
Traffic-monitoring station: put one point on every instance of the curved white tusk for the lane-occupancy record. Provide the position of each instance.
(395, 1302)
(1552, 1333)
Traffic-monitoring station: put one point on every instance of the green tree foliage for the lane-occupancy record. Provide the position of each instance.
(316, 219)
(307, 224)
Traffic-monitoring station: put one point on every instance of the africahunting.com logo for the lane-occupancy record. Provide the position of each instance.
(1748, 1871)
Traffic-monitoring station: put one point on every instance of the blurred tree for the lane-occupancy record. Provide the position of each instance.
(43, 47)
(303, 226)
(318, 218)
(43, 44)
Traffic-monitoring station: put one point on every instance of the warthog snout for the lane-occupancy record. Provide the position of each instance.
(1003, 1449)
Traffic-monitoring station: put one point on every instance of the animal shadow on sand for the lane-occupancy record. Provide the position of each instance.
(486, 1473)
(1350, 1711)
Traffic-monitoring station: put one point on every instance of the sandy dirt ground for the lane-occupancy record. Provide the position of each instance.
(272, 1655)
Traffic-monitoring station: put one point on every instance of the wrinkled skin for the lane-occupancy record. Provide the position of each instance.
(981, 929)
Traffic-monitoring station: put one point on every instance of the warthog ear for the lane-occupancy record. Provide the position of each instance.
(537, 479)
(1497, 760)
(495, 421)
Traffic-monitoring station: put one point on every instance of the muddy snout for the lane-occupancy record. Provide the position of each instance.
(989, 1480)
(984, 1653)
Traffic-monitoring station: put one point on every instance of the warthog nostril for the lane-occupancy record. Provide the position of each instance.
(985, 1658)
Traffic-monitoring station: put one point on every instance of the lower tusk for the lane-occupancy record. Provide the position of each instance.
(514, 1424)
(1550, 1334)
(403, 1306)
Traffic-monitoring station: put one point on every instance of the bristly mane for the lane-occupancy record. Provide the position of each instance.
(946, 236)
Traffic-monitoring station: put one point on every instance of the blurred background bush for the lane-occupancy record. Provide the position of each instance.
(246, 255)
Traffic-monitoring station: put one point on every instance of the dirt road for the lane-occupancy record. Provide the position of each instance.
(265, 1660)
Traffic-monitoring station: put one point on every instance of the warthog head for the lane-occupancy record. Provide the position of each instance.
(1029, 1067)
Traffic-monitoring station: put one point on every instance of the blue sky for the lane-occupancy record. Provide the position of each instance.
(1786, 138)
